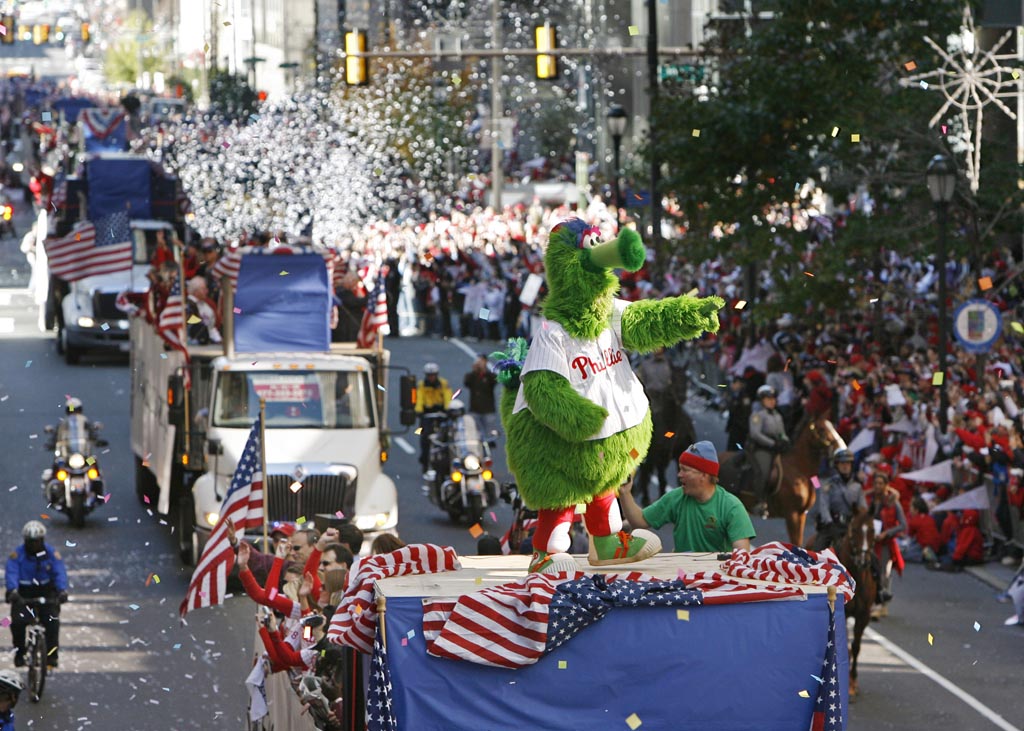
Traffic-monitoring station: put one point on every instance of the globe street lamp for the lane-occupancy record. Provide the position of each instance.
(617, 122)
(941, 178)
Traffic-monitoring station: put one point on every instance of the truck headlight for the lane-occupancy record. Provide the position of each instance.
(212, 518)
(86, 322)
(372, 521)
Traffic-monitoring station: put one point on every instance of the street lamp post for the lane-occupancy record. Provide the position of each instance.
(941, 178)
(617, 121)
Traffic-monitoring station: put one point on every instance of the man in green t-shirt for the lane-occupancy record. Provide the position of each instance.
(706, 518)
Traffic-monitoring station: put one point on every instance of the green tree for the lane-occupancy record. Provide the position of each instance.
(134, 44)
(813, 99)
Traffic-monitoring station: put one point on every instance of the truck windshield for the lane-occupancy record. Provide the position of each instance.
(310, 400)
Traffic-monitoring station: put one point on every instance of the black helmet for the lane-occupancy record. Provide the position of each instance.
(842, 455)
(765, 391)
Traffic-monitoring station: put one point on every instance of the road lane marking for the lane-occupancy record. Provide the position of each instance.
(920, 667)
(405, 446)
(463, 347)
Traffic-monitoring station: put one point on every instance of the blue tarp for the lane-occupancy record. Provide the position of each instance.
(118, 185)
(740, 667)
(71, 106)
(282, 304)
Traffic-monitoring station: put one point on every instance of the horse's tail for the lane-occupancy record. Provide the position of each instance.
(507, 369)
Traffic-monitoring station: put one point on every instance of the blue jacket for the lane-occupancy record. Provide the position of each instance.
(41, 573)
(7, 721)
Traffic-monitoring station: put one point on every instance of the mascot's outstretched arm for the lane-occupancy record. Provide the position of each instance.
(651, 324)
(555, 404)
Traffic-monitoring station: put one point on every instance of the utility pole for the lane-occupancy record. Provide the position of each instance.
(652, 71)
(497, 109)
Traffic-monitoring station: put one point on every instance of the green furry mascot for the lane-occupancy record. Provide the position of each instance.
(579, 423)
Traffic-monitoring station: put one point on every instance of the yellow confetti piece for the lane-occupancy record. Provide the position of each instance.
(931, 640)
(419, 430)
(357, 609)
(194, 320)
(633, 721)
(804, 694)
(478, 580)
(1017, 327)
(835, 131)
(581, 508)
(156, 579)
(634, 30)
(910, 65)
(937, 378)
(284, 273)
(693, 292)
(985, 283)
(475, 530)
(206, 48)
(563, 664)
(1015, 74)
(695, 133)
(227, 23)
(855, 137)
(740, 305)
(683, 615)
(300, 520)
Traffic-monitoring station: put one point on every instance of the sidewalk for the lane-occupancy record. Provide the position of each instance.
(994, 574)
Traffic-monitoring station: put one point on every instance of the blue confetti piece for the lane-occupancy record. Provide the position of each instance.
(410, 634)
(28, 363)
(134, 607)
(820, 681)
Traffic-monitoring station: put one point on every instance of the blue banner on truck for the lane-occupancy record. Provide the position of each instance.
(119, 185)
(282, 304)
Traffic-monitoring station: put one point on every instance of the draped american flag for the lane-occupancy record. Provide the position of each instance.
(355, 620)
(828, 706)
(231, 261)
(89, 250)
(783, 563)
(375, 316)
(244, 506)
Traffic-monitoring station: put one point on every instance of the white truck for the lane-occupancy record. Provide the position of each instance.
(326, 439)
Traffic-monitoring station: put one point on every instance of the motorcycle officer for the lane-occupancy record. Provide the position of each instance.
(10, 688)
(432, 396)
(75, 426)
(35, 569)
(767, 436)
(840, 494)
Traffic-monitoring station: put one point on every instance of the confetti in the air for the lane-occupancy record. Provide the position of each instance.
(937, 378)
(910, 65)
(835, 131)
(695, 133)
(804, 694)
(985, 283)
(475, 530)
(633, 721)
(683, 615)
(563, 664)
(634, 30)
(977, 627)
(740, 305)
(855, 137)
(931, 639)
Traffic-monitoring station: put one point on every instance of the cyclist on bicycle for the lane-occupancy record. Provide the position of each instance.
(35, 570)
(10, 688)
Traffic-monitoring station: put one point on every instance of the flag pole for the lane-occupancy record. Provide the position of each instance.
(182, 336)
(263, 470)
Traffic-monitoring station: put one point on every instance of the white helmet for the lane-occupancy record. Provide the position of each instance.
(73, 405)
(33, 529)
(431, 369)
(11, 683)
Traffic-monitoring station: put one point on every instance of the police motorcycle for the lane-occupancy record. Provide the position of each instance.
(460, 478)
(74, 484)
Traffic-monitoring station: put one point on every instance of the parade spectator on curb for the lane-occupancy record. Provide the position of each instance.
(922, 542)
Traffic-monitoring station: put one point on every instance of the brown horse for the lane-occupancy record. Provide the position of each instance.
(854, 552)
(794, 495)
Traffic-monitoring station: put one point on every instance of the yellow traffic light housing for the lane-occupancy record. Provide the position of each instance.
(547, 40)
(9, 31)
(356, 67)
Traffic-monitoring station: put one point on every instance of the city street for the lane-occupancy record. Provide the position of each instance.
(127, 662)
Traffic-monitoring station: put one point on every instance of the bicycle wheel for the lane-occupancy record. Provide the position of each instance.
(36, 666)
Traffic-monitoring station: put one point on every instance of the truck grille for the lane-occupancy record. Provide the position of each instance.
(320, 495)
(105, 307)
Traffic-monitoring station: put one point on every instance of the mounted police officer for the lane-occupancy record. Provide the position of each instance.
(767, 437)
(35, 570)
(839, 495)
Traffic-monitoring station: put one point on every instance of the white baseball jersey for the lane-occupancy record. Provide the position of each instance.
(597, 369)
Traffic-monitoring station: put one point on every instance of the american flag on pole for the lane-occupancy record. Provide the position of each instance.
(89, 250)
(244, 506)
(828, 706)
(376, 315)
(170, 325)
(380, 716)
(59, 194)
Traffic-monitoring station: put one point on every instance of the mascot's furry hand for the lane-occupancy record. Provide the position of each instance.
(556, 405)
(651, 324)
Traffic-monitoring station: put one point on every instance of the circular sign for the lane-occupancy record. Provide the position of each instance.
(977, 324)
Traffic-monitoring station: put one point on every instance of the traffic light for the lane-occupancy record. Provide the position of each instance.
(9, 31)
(40, 34)
(547, 40)
(85, 32)
(356, 67)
